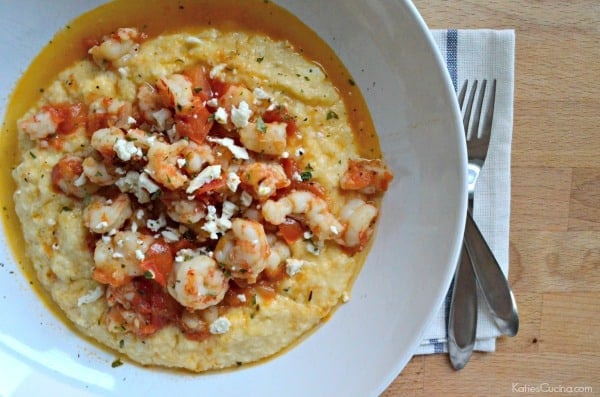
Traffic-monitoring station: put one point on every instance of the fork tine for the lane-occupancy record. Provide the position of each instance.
(468, 108)
(461, 95)
(477, 115)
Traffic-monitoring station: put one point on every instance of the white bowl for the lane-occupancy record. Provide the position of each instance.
(364, 346)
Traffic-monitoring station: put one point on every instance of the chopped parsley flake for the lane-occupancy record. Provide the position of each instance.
(116, 363)
(260, 59)
(260, 125)
(332, 115)
(148, 275)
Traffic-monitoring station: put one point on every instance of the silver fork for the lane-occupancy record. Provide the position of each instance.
(483, 265)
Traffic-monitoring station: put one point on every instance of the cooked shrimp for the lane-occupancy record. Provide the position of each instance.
(104, 140)
(244, 250)
(117, 259)
(313, 209)
(149, 103)
(110, 112)
(141, 139)
(175, 91)
(41, 124)
(198, 282)
(267, 138)
(97, 172)
(358, 218)
(280, 251)
(116, 47)
(68, 176)
(164, 164)
(102, 215)
(263, 179)
(185, 211)
(366, 176)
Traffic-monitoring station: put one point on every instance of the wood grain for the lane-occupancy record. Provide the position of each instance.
(555, 205)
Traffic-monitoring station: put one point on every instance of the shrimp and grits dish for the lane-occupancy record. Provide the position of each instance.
(195, 200)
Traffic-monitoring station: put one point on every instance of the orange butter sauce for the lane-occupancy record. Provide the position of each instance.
(155, 17)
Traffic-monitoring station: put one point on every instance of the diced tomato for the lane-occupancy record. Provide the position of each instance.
(159, 261)
(72, 116)
(219, 87)
(210, 187)
(200, 83)
(67, 169)
(195, 122)
(290, 167)
(181, 244)
(154, 303)
(367, 176)
(281, 115)
(314, 187)
(291, 230)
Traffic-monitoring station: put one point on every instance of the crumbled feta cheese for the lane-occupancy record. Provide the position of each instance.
(207, 175)
(220, 326)
(240, 115)
(216, 70)
(126, 149)
(181, 163)
(213, 103)
(215, 225)
(296, 176)
(106, 238)
(334, 230)
(221, 116)
(307, 235)
(123, 71)
(293, 266)
(170, 236)
(261, 94)
(131, 120)
(118, 255)
(245, 199)
(156, 225)
(90, 297)
(139, 214)
(233, 181)
(241, 297)
(147, 183)
(161, 116)
(237, 151)
(285, 155)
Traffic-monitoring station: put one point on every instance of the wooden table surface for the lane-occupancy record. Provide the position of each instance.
(555, 205)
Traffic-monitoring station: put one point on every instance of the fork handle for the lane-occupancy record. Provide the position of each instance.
(492, 282)
(462, 318)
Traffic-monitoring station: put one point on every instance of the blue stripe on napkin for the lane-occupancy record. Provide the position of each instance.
(451, 54)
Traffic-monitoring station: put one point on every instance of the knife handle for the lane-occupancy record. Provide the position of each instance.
(491, 280)
(462, 319)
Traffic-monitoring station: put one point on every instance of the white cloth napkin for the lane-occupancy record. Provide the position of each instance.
(479, 54)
